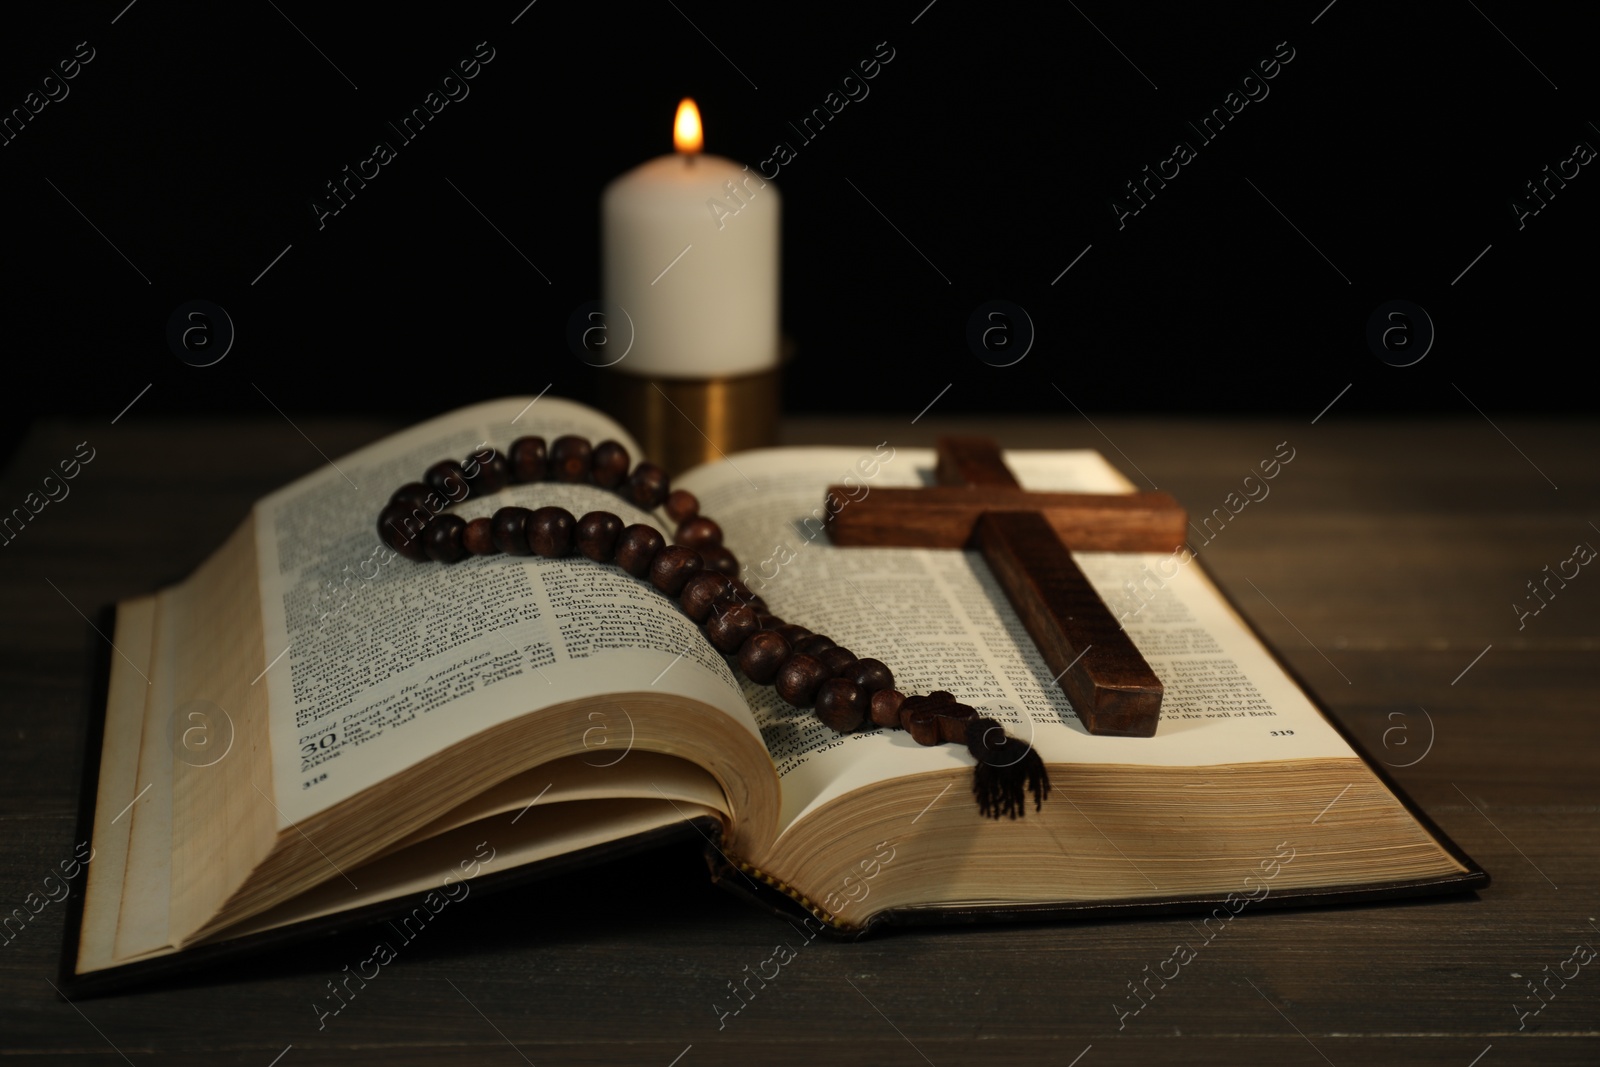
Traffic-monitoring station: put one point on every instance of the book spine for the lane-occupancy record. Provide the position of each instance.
(819, 912)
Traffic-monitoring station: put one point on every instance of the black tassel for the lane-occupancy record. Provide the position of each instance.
(1006, 769)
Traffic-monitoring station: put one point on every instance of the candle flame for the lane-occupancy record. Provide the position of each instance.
(686, 134)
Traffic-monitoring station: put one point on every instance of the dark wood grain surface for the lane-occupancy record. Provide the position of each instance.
(1385, 564)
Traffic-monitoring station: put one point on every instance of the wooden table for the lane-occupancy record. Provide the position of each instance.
(1383, 565)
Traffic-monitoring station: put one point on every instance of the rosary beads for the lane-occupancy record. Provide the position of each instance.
(702, 576)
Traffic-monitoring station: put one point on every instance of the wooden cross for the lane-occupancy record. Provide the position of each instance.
(1024, 536)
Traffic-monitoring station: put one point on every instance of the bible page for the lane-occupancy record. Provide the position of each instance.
(376, 661)
(940, 620)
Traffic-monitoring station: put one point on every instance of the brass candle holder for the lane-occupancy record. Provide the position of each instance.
(682, 422)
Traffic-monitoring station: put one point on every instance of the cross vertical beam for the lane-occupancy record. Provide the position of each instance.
(1111, 687)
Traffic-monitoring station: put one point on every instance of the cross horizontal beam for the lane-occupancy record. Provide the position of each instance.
(947, 517)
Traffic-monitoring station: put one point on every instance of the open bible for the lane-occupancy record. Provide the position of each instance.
(313, 730)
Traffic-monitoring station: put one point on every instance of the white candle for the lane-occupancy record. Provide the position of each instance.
(691, 254)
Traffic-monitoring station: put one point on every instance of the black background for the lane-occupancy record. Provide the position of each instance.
(994, 141)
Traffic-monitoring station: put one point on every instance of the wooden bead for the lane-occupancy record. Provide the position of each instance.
(700, 593)
(814, 644)
(924, 716)
(443, 538)
(699, 532)
(799, 678)
(719, 559)
(597, 534)
(488, 471)
(767, 620)
(478, 537)
(511, 531)
(448, 480)
(730, 629)
(953, 724)
(729, 601)
(885, 705)
(648, 486)
(682, 506)
(841, 705)
(837, 660)
(922, 724)
(529, 462)
(871, 675)
(608, 464)
(793, 632)
(762, 653)
(672, 568)
(400, 528)
(412, 494)
(550, 532)
(637, 548)
(569, 458)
